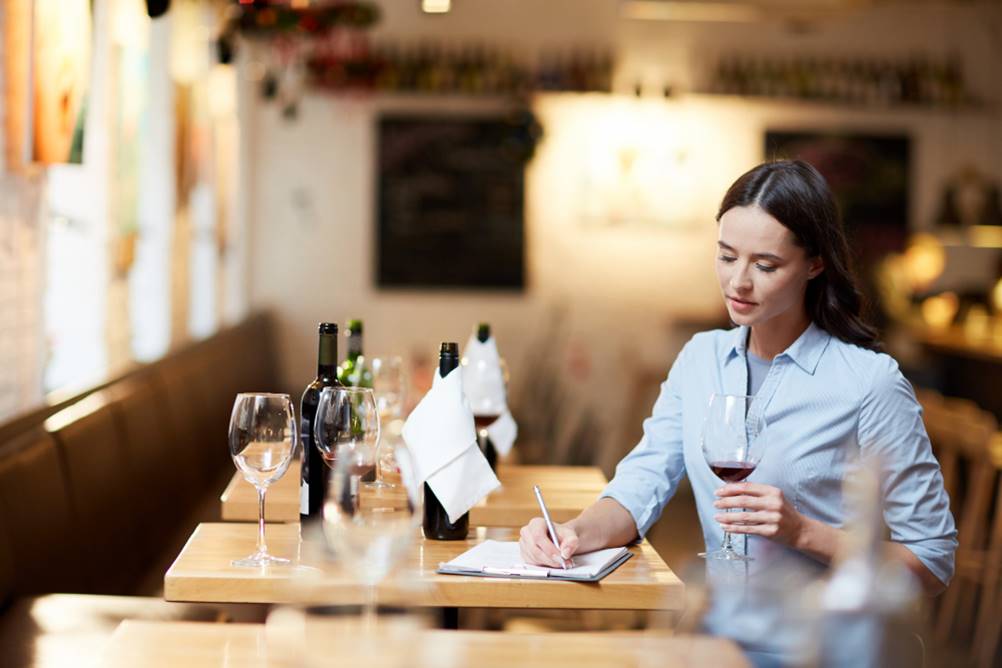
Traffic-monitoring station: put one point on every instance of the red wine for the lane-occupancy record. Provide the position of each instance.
(732, 471)
(436, 524)
(313, 475)
(484, 421)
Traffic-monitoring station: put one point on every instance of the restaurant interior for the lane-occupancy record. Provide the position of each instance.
(196, 194)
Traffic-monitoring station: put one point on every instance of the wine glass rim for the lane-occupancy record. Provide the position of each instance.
(277, 395)
(347, 390)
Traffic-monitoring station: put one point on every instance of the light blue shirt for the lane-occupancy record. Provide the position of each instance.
(825, 403)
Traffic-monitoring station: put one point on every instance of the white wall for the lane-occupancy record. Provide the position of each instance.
(310, 184)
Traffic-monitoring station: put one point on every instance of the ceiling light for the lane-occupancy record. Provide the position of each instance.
(436, 6)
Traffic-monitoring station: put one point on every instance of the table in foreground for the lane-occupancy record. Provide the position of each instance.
(203, 645)
(568, 490)
(203, 573)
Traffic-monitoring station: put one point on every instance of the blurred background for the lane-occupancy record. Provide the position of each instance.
(553, 168)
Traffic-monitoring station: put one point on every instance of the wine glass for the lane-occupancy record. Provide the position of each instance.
(345, 416)
(263, 437)
(484, 387)
(389, 385)
(369, 524)
(733, 444)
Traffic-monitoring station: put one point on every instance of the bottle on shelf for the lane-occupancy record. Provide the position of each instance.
(313, 473)
(436, 524)
(352, 372)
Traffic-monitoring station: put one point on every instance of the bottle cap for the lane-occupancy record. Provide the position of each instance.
(449, 348)
(355, 326)
(328, 328)
(483, 332)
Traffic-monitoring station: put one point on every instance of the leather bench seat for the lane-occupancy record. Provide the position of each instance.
(97, 500)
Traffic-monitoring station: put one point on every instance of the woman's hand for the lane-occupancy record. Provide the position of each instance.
(765, 512)
(537, 548)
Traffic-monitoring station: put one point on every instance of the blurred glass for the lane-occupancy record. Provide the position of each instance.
(369, 524)
(389, 385)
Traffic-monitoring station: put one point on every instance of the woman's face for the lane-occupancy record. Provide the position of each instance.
(762, 272)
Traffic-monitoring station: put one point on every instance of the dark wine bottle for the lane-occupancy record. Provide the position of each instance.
(436, 523)
(313, 475)
(483, 420)
(352, 372)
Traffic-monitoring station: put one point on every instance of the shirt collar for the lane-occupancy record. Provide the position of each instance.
(805, 351)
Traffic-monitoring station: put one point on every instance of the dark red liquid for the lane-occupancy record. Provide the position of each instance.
(732, 471)
(483, 421)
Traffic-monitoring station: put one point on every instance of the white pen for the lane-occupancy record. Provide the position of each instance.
(549, 522)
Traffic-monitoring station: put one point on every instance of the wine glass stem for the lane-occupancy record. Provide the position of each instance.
(369, 609)
(261, 547)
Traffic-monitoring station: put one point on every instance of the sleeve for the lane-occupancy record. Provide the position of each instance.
(916, 506)
(649, 475)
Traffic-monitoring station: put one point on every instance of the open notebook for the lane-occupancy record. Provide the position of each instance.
(501, 559)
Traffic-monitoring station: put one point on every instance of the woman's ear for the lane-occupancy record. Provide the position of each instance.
(817, 265)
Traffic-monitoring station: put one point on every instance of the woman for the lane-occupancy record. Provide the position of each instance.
(803, 351)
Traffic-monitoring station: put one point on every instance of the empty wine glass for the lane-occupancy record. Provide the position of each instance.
(389, 385)
(370, 524)
(733, 444)
(263, 437)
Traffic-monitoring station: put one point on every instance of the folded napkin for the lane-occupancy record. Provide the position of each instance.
(482, 377)
(443, 442)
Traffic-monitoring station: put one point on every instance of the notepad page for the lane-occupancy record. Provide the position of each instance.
(506, 555)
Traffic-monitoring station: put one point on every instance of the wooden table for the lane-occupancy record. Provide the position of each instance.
(567, 489)
(203, 645)
(203, 573)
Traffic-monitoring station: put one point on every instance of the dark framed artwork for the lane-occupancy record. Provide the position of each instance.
(450, 200)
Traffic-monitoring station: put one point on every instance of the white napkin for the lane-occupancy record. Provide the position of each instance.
(443, 442)
(482, 372)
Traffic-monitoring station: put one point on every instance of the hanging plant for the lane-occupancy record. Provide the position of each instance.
(264, 20)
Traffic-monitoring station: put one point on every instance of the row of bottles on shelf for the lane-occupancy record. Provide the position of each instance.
(919, 81)
(352, 372)
(472, 70)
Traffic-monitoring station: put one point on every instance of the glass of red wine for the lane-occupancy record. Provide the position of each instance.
(733, 443)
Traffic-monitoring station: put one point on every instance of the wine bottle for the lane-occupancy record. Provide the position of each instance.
(436, 523)
(313, 474)
(352, 371)
(482, 419)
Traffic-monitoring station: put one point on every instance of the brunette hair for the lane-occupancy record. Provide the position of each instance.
(794, 193)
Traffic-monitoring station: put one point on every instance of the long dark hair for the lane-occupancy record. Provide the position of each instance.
(795, 194)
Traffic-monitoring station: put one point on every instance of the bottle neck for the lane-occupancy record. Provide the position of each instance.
(354, 346)
(447, 363)
(327, 356)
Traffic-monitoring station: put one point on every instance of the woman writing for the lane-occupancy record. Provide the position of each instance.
(827, 394)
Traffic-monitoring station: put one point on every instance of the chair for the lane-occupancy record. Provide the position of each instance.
(961, 434)
(988, 629)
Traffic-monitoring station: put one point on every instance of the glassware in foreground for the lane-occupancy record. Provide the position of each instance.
(733, 445)
(263, 438)
(369, 524)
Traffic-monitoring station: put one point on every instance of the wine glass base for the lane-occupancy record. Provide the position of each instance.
(258, 560)
(725, 555)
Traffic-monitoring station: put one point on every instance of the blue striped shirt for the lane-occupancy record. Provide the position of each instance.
(825, 402)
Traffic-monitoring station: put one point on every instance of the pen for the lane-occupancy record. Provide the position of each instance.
(549, 522)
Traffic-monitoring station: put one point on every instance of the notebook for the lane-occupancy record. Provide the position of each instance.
(501, 559)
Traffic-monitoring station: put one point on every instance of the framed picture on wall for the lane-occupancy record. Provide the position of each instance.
(450, 202)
